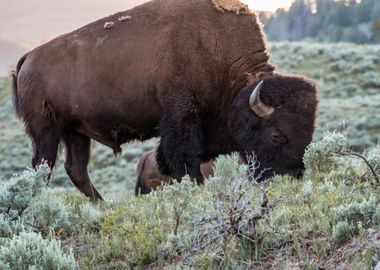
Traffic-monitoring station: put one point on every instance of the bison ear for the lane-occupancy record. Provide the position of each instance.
(257, 106)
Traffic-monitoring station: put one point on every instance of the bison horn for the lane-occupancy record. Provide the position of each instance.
(257, 106)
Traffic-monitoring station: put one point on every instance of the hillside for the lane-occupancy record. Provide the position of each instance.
(349, 98)
(330, 219)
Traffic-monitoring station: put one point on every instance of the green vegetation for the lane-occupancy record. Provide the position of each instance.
(330, 219)
(326, 21)
(324, 221)
(31, 251)
(26, 202)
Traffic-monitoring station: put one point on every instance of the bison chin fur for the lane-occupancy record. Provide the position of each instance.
(278, 141)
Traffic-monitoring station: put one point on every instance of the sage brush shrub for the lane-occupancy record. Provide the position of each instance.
(342, 232)
(319, 156)
(307, 188)
(354, 216)
(356, 212)
(376, 217)
(373, 157)
(9, 226)
(228, 167)
(231, 218)
(25, 202)
(31, 251)
(16, 196)
(148, 222)
(187, 221)
(48, 210)
(90, 215)
(235, 205)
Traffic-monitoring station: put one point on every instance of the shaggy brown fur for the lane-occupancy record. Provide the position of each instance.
(148, 176)
(177, 70)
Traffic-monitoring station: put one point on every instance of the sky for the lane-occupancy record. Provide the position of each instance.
(267, 5)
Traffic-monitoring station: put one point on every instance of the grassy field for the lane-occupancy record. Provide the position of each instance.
(328, 220)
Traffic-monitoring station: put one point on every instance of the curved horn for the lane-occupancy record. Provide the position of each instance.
(257, 106)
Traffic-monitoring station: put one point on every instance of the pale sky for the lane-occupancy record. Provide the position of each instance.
(267, 5)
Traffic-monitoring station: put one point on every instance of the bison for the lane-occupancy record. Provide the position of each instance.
(192, 72)
(148, 176)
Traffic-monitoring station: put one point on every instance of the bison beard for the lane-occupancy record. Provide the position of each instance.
(179, 69)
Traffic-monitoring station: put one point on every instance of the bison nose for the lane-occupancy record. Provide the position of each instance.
(277, 138)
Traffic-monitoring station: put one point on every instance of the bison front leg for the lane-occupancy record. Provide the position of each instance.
(181, 145)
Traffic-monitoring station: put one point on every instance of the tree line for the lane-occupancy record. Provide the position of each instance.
(355, 21)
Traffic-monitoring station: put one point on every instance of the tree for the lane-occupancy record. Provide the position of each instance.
(327, 21)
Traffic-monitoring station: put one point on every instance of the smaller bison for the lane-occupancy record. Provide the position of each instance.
(149, 177)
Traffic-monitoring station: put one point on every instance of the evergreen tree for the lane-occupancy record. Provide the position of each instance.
(327, 21)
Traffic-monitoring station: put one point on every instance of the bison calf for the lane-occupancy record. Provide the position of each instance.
(149, 177)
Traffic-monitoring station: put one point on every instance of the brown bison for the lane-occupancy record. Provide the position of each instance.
(180, 69)
(148, 176)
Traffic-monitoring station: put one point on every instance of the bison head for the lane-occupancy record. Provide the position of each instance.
(274, 119)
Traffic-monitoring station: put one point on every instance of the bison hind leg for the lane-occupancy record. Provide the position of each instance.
(45, 149)
(78, 156)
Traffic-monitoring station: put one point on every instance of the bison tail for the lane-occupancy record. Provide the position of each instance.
(14, 84)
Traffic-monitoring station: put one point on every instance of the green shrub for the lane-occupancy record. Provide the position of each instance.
(307, 188)
(354, 217)
(179, 220)
(376, 217)
(9, 226)
(230, 219)
(146, 223)
(228, 167)
(356, 212)
(31, 251)
(25, 201)
(342, 232)
(319, 156)
(16, 197)
(48, 210)
(225, 219)
(373, 157)
(90, 215)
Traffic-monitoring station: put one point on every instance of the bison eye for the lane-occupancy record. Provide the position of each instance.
(278, 138)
